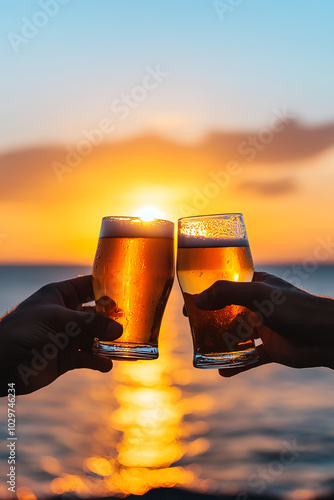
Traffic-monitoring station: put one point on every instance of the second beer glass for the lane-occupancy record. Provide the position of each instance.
(133, 275)
(212, 248)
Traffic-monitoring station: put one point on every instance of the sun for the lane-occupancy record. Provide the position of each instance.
(149, 213)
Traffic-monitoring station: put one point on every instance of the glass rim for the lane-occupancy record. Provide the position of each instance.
(211, 216)
(211, 230)
(135, 227)
(133, 218)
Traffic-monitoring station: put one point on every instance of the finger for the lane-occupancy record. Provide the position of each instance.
(76, 291)
(263, 359)
(90, 360)
(223, 293)
(271, 279)
(85, 326)
(69, 293)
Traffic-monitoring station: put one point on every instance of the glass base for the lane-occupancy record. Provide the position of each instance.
(235, 359)
(125, 350)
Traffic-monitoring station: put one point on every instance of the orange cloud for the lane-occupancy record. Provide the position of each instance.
(51, 219)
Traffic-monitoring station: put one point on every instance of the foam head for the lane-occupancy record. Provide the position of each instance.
(226, 230)
(135, 227)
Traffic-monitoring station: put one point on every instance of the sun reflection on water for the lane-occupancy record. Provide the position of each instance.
(139, 442)
(149, 417)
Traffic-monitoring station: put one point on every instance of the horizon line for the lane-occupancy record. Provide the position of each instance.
(68, 264)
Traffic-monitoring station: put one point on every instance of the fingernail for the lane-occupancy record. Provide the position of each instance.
(114, 329)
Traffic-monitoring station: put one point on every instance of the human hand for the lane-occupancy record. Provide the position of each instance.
(296, 327)
(49, 334)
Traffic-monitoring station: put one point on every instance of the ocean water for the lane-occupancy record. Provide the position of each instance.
(164, 423)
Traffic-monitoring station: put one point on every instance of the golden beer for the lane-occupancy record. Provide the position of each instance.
(133, 275)
(221, 338)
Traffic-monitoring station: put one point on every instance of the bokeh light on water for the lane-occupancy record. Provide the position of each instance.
(163, 423)
(143, 438)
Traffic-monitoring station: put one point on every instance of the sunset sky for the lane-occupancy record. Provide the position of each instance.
(186, 106)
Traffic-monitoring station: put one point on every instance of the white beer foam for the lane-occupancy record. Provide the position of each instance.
(134, 227)
(190, 241)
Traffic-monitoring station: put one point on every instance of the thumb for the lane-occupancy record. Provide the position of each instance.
(224, 293)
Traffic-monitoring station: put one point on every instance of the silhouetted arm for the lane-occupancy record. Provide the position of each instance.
(296, 327)
(49, 334)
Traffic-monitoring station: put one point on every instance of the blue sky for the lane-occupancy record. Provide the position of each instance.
(225, 73)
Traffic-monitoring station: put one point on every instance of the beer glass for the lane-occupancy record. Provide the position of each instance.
(212, 248)
(133, 274)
